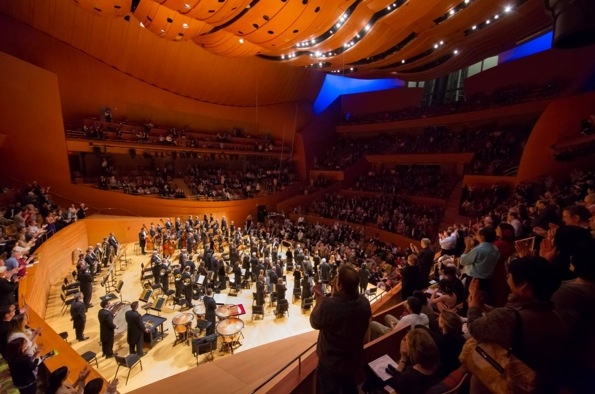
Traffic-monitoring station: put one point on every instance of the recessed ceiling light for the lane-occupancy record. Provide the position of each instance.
(452, 12)
(186, 5)
(474, 27)
(185, 25)
(488, 22)
(508, 8)
(241, 40)
(456, 51)
(142, 25)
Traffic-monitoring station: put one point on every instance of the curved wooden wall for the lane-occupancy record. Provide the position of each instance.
(559, 122)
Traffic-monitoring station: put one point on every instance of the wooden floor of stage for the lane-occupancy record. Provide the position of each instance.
(164, 359)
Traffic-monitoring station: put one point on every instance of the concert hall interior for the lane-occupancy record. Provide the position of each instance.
(348, 131)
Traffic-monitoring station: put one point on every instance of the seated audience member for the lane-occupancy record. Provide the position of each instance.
(444, 297)
(450, 279)
(413, 318)
(419, 366)
(57, 383)
(426, 309)
(19, 328)
(449, 340)
(574, 302)
(23, 367)
(532, 283)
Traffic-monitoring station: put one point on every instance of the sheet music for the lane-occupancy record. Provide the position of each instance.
(379, 366)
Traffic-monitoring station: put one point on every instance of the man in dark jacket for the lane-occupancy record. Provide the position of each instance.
(78, 312)
(136, 330)
(106, 329)
(210, 306)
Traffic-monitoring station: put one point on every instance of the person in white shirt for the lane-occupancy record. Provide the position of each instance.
(513, 220)
(412, 319)
(448, 241)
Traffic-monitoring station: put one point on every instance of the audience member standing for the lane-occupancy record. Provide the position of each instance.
(23, 367)
(532, 283)
(479, 261)
(410, 277)
(574, 302)
(343, 321)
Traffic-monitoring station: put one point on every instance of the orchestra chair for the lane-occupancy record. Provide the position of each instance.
(289, 266)
(70, 285)
(182, 302)
(297, 294)
(112, 296)
(204, 345)
(64, 335)
(273, 299)
(90, 356)
(202, 325)
(307, 304)
(168, 295)
(282, 308)
(146, 273)
(253, 298)
(137, 248)
(66, 302)
(68, 292)
(129, 362)
(245, 284)
(257, 310)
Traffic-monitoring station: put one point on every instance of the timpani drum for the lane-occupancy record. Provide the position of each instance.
(118, 311)
(230, 330)
(224, 311)
(182, 325)
(200, 310)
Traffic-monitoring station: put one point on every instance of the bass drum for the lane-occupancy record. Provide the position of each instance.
(118, 310)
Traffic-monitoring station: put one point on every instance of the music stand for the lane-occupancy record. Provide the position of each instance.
(146, 295)
(158, 305)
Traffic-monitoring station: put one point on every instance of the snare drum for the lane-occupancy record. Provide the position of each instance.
(118, 310)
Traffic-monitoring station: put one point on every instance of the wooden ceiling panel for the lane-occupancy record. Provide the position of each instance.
(278, 23)
(159, 55)
(302, 28)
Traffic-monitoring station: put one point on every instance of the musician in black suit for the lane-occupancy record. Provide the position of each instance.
(237, 274)
(106, 329)
(113, 242)
(78, 312)
(155, 265)
(85, 279)
(136, 330)
(92, 261)
(142, 240)
(260, 291)
(281, 289)
(210, 306)
(187, 283)
(163, 276)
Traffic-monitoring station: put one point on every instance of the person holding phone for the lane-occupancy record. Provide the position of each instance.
(343, 320)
